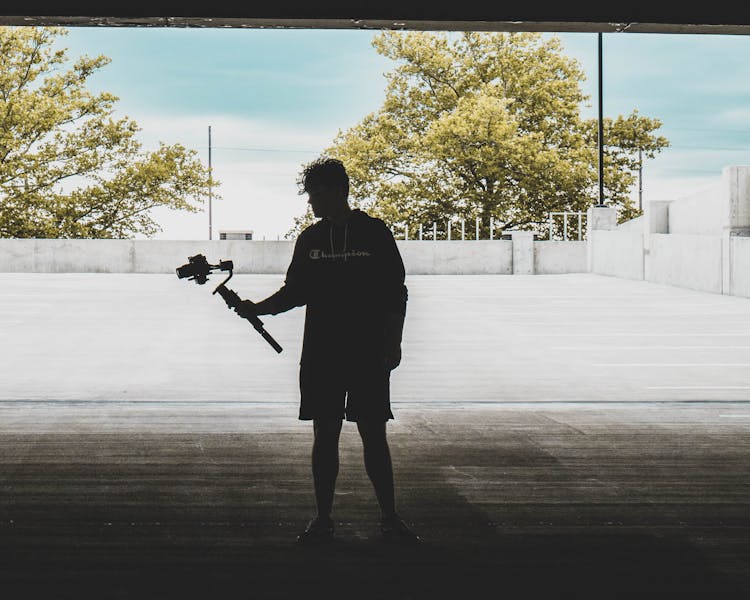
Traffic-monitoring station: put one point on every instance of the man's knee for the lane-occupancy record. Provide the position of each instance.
(327, 430)
(372, 432)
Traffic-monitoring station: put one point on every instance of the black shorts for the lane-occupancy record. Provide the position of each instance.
(350, 395)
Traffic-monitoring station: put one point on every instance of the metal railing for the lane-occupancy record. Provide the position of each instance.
(401, 230)
(572, 226)
(579, 215)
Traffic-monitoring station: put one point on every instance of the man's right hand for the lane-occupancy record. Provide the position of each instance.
(246, 309)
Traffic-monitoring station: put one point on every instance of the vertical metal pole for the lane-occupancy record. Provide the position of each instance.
(565, 226)
(640, 179)
(580, 217)
(601, 126)
(463, 229)
(449, 229)
(420, 232)
(434, 231)
(492, 228)
(477, 228)
(210, 177)
(550, 227)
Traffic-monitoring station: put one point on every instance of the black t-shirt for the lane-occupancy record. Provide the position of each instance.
(350, 276)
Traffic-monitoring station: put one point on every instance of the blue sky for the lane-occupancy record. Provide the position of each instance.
(275, 97)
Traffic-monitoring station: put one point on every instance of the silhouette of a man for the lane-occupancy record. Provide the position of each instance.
(347, 270)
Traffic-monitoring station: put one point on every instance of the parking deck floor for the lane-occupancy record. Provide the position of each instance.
(568, 436)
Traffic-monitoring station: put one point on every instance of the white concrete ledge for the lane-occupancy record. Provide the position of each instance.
(739, 279)
(138, 256)
(617, 253)
(557, 257)
(689, 261)
(700, 241)
(469, 257)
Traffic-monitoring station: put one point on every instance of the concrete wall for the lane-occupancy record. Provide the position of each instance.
(689, 261)
(698, 213)
(616, 253)
(442, 257)
(700, 241)
(739, 278)
(555, 257)
(737, 215)
(714, 209)
(636, 225)
(138, 256)
(470, 257)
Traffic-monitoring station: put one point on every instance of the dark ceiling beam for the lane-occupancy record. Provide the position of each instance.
(375, 24)
(652, 16)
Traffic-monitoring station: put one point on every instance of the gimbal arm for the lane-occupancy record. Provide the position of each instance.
(233, 301)
(198, 269)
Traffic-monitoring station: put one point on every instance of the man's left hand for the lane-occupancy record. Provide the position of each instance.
(246, 309)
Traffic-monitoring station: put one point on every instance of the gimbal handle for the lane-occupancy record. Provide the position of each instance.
(233, 301)
(198, 270)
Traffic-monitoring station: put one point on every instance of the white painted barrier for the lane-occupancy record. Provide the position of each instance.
(556, 257)
(470, 257)
(739, 277)
(701, 241)
(617, 253)
(698, 213)
(138, 256)
(689, 261)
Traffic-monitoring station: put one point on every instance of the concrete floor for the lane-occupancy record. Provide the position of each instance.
(560, 436)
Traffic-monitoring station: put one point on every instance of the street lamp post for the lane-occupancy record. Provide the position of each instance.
(601, 127)
(210, 176)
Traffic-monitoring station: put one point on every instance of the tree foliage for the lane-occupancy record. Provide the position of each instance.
(480, 125)
(68, 167)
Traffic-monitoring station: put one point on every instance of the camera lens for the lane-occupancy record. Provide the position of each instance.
(185, 271)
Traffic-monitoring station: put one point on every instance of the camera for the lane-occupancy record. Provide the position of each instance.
(198, 268)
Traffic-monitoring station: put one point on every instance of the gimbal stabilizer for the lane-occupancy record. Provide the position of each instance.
(198, 270)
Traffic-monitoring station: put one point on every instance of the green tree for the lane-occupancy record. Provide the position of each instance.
(480, 125)
(68, 167)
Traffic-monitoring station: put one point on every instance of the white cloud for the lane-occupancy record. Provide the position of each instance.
(735, 116)
(257, 163)
(230, 131)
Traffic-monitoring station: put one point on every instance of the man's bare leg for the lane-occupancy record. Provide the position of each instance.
(380, 471)
(378, 464)
(325, 463)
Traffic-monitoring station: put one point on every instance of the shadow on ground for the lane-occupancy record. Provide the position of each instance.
(187, 516)
(132, 563)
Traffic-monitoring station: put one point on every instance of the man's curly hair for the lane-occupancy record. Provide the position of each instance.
(323, 171)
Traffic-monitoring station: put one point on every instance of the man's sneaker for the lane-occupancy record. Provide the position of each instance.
(318, 531)
(394, 529)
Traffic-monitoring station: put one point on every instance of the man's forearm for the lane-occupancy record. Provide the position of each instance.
(266, 307)
(285, 298)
